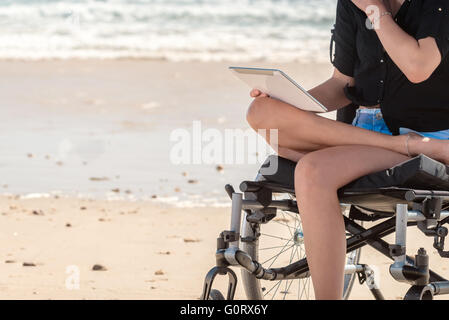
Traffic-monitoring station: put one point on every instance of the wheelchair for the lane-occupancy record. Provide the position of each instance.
(266, 242)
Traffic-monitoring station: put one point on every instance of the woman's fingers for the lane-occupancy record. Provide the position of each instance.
(255, 93)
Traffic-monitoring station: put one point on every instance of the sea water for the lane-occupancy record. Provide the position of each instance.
(176, 30)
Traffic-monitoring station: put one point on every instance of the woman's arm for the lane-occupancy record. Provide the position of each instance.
(330, 93)
(417, 59)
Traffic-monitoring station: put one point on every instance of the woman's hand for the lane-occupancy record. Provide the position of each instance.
(255, 93)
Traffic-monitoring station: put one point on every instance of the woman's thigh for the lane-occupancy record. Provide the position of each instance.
(268, 113)
(335, 167)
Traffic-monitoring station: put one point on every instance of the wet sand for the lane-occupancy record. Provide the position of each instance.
(89, 127)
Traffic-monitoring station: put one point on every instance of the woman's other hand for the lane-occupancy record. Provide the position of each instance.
(255, 93)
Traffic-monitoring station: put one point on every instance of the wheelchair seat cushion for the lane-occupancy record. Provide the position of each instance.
(420, 172)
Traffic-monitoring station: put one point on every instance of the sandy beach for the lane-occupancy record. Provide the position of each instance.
(148, 251)
(87, 181)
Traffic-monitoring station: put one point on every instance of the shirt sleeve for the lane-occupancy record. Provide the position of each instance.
(435, 23)
(344, 39)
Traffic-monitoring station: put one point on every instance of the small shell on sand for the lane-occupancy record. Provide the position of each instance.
(159, 273)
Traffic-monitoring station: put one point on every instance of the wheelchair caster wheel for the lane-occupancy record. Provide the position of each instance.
(216, 295)
(209, 293)
(419, 293)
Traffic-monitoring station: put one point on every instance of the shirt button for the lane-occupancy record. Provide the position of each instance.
(379, 116)
(381, 60)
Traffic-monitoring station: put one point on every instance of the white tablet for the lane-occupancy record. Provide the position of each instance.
(278, 85)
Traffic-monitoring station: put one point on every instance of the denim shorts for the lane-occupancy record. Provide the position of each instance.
(372, 119)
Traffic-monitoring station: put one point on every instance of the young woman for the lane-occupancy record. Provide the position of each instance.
(396, 68)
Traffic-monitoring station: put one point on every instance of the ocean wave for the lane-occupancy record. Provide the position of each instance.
(178, 30)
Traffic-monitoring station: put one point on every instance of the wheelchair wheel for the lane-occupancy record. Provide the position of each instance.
(216, 295)
(280, 244)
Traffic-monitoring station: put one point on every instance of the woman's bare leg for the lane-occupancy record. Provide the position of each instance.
(306, 131)
(290, 154)
(318, 176)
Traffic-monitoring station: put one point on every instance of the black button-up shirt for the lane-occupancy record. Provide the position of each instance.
(359, 53)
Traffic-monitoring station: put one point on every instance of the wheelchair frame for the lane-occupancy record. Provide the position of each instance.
(427, 213)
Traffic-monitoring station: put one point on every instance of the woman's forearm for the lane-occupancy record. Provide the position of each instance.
(416, 59)
(331, 92)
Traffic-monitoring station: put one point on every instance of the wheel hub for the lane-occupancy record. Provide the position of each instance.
(298, 237)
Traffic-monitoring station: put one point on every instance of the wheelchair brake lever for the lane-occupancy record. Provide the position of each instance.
(229, 190)
(439, 240)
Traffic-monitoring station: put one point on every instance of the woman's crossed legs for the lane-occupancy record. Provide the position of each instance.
(332, 155)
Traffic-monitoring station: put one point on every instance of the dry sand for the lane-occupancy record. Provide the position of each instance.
(149, 251)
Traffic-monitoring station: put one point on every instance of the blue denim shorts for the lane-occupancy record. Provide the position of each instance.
(372, 119)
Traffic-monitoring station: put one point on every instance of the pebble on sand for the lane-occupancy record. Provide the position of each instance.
(159, 273)
(192, 181)
(68, 225)
(98, 178)
(154, 196)
(38, 212)
(99, 267)
(28, 264)
(10, 261)
(116, 190)
(219, 168)
(188, 240)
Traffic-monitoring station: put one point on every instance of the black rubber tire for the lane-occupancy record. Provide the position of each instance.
(216, 295)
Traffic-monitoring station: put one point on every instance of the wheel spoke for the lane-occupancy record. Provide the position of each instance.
(277, 256)
(271, 289)
(276, 237)
(277, 247)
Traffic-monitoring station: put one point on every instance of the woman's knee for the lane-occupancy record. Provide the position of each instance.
(312, 175)
(259, 113)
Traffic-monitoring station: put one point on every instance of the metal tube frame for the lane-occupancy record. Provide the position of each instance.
(404, 218)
